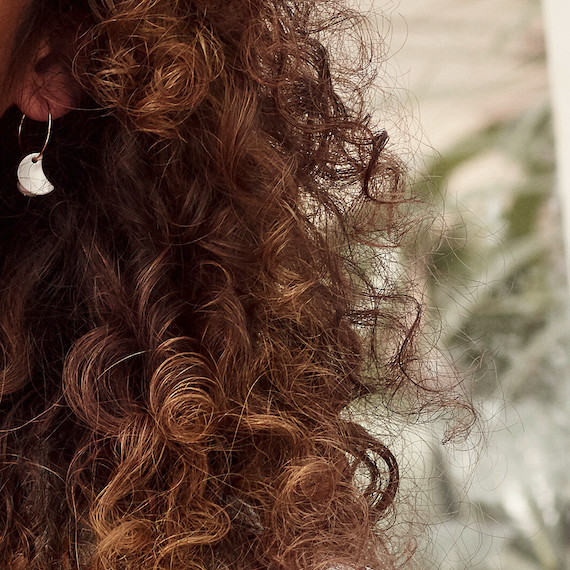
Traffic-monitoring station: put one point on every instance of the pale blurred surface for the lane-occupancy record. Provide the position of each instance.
(469, 62)
(557, 18)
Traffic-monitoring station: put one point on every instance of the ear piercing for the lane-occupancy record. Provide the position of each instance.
(32, 180)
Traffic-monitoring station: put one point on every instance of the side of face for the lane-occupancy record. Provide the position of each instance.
(11, 15)
(44, 86)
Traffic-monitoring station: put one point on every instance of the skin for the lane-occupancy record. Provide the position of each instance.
(40, 89)
(11, 12)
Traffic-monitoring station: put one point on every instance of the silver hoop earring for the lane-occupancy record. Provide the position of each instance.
(32, 180)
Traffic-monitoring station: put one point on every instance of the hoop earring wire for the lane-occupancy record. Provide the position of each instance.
(32, 180)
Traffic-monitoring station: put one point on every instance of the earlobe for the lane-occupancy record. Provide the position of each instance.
(48, 87)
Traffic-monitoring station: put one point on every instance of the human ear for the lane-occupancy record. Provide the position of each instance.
(47, 86)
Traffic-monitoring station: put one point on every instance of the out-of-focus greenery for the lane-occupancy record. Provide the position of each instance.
(498, 281)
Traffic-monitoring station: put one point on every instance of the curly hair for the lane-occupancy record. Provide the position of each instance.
(186, 319)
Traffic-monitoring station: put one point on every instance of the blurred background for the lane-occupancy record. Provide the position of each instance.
(473, 79)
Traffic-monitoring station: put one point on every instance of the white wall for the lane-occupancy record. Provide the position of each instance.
(557, 26)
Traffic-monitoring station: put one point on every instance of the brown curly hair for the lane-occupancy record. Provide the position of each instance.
(185, 320)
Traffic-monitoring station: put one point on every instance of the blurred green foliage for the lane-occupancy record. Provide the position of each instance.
(498, 281)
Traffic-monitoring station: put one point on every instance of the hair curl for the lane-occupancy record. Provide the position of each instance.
(185, 320)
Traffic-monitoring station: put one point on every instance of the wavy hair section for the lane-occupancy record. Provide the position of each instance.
(184, 321)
